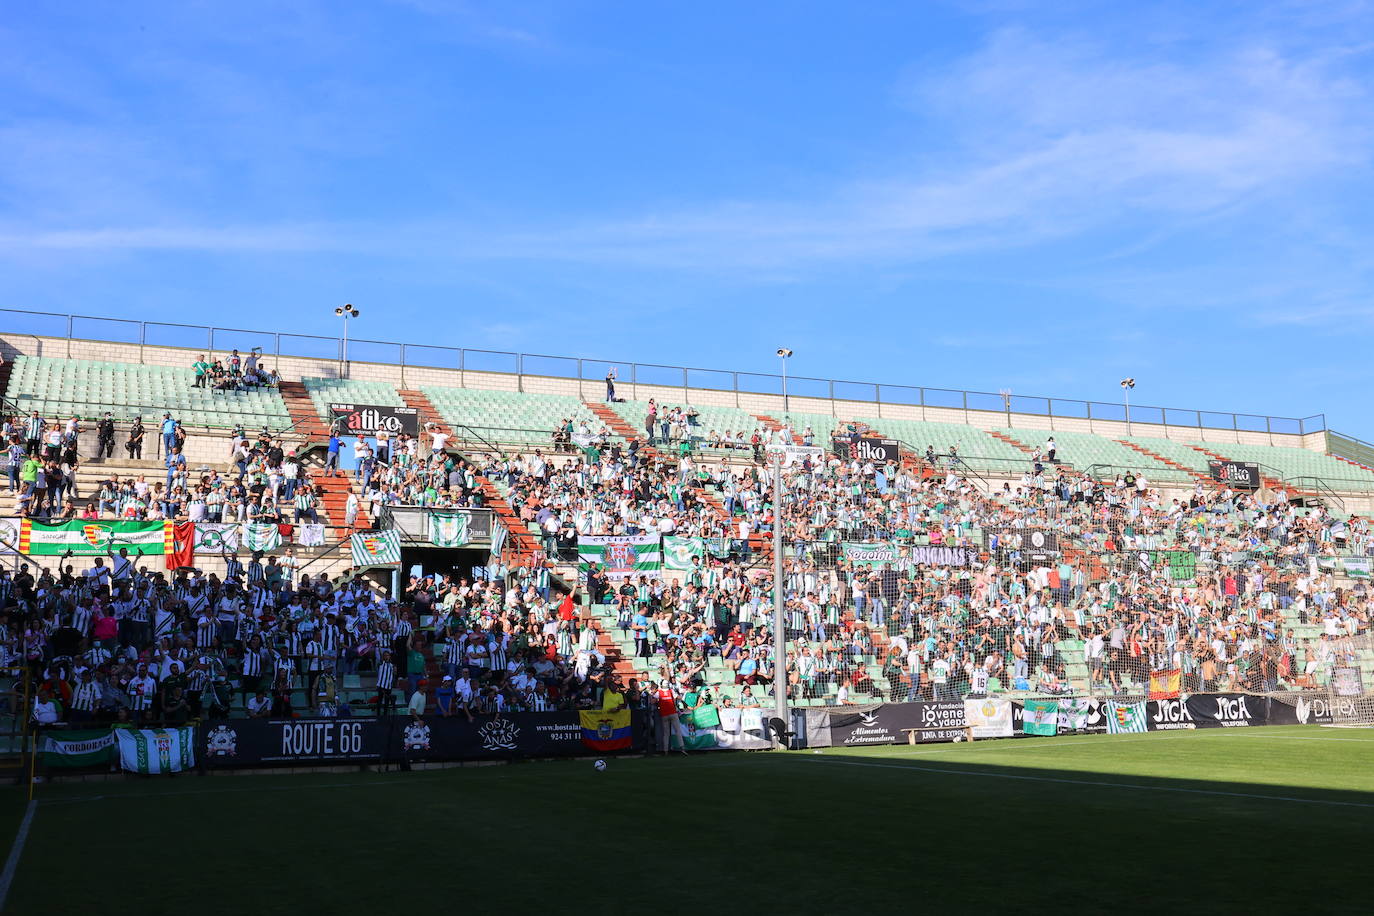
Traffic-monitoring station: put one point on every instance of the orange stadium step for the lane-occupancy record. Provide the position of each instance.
(616, 423)
(1010, 441)
(1161, 459)
(302, 411)
(423, 408)
(772, 424)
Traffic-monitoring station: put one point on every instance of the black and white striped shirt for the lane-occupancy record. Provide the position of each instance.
(252, 662)
(386, 675)
(86, 696)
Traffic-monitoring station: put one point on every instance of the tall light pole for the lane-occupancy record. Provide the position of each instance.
(1126, 385)
(345, 312)
(783, 353)
(779, 629)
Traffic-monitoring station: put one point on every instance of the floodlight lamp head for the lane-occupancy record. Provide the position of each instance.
(1128, 383)
(784, 352)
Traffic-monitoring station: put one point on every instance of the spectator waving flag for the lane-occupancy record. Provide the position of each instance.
(376, 548)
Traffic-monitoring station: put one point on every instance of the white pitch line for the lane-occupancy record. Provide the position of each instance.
(12, 863)
(1244, 733)
(1085, 782)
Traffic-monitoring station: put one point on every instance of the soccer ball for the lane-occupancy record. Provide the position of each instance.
(600, 766)
(958, 738)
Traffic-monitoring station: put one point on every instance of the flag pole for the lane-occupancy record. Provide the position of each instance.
(779, 631)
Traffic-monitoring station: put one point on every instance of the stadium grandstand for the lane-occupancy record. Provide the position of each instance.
(325, 516)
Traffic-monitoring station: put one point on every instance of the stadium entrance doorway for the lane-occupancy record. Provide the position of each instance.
(458, 562)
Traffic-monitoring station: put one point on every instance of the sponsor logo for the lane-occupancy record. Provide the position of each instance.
(943, 715)
(1173, 714)
(1322, 712)
(416, 737)
(1232, 712)
(222, 741)
(321, 739)
(501, 735)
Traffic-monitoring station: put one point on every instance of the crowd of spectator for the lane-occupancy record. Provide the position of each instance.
(998, 617)
(122, 642)
(234, 372)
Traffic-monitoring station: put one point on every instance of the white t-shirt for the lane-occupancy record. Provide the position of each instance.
(438, 441)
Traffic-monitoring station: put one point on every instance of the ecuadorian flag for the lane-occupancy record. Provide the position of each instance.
(606, 731)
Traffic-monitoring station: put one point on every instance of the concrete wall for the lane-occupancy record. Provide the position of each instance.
(293, 367)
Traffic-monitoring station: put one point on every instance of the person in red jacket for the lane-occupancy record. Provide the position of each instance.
(668, 722)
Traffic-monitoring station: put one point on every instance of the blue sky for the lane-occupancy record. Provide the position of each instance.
(977, 195)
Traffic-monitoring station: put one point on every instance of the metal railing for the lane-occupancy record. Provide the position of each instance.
(584, 370)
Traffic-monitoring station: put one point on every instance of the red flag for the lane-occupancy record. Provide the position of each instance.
(1166, 685)
(183, 546)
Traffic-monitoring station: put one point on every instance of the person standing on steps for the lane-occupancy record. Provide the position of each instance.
(610, 385)
(134, 446)
(105, 431)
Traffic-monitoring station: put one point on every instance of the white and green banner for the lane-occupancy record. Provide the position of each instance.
(77, 748)
(678, 552)
(1125, 717)
(1074, 713)
(261, 536)
(9, 534)
(310, 535)
(1041, 717)
(94, 539)
(448, 529)
(376, 548)
(212, 537)
(1356, 567)
(623, 555)
(156, 750)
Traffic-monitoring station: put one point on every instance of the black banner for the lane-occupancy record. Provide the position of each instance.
(1169, 715)
(1227, 710)
(1033, 543)
(317, 742)
(521, 734)
(1239, 474)
(281, 742)
(370, 419)
(1310, 710)
(866, 448)
(887, 723)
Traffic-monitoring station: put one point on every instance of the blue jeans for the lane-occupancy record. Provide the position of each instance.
(169, 442)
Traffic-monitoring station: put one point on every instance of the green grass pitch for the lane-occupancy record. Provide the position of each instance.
(1272, 819)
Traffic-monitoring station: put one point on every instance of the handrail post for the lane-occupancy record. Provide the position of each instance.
(70, 319)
